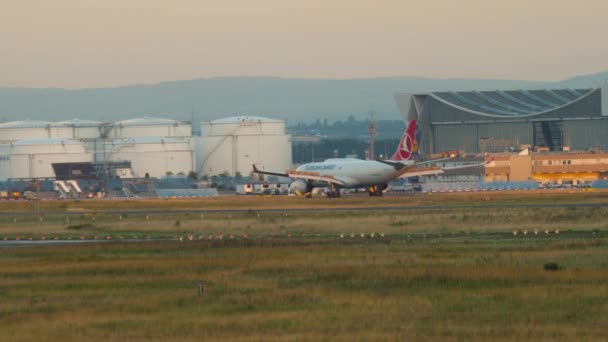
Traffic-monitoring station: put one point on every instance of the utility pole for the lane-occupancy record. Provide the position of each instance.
(371, 129)
(38, 200)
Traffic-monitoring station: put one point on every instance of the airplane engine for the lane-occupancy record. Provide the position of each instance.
(300, 187)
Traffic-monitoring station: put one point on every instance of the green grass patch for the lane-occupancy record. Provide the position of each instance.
(263, 290)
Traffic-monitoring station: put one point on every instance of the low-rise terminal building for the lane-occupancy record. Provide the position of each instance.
(561, 168)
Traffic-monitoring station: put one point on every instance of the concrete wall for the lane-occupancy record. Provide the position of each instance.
(521, 168)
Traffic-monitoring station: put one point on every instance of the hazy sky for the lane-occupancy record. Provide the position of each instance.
(99, 43)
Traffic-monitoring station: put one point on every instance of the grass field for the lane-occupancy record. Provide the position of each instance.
(448, 273)
(315, 223)
(94, 218)
(277, 290)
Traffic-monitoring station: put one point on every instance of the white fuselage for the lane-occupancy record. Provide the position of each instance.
(354, 172)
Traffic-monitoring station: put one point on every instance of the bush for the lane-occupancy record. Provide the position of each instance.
(552, 266)
(80, 226)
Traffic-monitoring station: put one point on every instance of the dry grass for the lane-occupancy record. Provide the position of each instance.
(399, 222)
(461, 276)
(318, 291)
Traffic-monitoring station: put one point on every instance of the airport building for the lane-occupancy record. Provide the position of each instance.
(556, 168)
(502, 121)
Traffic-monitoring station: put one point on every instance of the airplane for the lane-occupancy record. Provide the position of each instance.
(374, 175)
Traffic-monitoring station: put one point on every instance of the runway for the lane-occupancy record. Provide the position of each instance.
(330, 238)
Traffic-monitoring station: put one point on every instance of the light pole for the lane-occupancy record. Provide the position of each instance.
(38, 200)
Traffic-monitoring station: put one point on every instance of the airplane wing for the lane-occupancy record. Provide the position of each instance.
(400, 164)
(315, 176)
(466, 166)
(433, 161)
(419, 171)
(397, 164)
(416, 170)
(255, 170)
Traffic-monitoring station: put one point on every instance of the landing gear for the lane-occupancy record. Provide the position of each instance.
(376, 190)
(301, 188)
(333, 192)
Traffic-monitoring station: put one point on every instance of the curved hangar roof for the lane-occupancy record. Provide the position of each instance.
(512, 102)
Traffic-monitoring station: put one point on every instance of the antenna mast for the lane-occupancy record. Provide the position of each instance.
(371, 129)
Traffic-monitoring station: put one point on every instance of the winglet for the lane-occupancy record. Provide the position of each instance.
(255, 169)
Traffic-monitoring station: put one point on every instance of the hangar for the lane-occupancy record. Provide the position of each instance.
(502, 121)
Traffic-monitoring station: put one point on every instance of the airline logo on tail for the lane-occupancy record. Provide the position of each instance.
(408, 145)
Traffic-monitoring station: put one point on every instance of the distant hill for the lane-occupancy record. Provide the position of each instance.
(292, 99)
(585, 81)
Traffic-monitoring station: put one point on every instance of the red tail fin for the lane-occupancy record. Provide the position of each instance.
(408, 144)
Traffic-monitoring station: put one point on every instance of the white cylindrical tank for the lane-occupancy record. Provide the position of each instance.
(234, 144)
(149, 127)
(32, 158)
(155, 156)
(76, 129)
(26, 129)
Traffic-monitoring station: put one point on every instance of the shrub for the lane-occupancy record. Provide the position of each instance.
(81, 226)
(552, 266)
